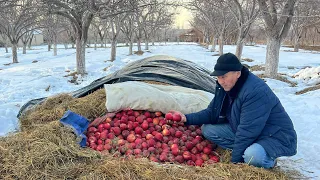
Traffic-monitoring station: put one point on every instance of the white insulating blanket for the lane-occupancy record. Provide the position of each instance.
(144, 96)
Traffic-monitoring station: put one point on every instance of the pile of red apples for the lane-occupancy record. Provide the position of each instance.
(132, 133)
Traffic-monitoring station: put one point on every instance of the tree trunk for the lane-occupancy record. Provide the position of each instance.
(113, 50)
(14, 52)
(207, 43)
(272, 58)
(152, 40)
(95, 45)
(65, 46)
(130, 47)
(139, 44)
(239, 48)
(80, 50)
(24, 48)
(6, 47)
(213, 47)
(55, 49)
(147, 44)
(30, 42)
(72, 45)
(296, 44)
(221, 41)
(49, 46)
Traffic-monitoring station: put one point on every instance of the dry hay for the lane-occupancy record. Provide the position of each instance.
(247, 59)
(313, 88)
(257, 68)
(306, 47)
(215, 54)
(90, 106)
(138, 53)
(51, 152)
(45, 149)
(279, 77)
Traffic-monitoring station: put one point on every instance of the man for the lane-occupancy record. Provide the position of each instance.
(245, 116)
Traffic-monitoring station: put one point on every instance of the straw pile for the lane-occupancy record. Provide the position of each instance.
(44, 149)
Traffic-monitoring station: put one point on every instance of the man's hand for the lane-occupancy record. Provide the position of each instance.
(183, 117)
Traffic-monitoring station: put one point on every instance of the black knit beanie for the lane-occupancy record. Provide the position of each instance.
(226, 63)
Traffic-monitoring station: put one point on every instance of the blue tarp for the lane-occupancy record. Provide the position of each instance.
(78, 123)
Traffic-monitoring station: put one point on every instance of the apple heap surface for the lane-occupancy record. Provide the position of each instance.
(139, 133)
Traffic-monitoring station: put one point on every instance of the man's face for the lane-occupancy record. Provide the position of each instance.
(228, 80)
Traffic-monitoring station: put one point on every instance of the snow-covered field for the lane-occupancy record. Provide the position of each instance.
(26, 80)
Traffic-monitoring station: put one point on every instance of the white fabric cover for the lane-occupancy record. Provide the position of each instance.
(143, 96)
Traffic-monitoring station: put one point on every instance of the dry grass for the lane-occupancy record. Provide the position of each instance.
(45, 149)
(51, 152)
(247, 59)
(90, 106)
(313, 88)
(257, 68)
(138, 53)
(305, 47)
(280, 77)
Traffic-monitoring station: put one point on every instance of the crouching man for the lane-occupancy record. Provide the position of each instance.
(245, 116)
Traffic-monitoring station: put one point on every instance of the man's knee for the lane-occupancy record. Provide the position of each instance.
(205, 130)
(256, 155)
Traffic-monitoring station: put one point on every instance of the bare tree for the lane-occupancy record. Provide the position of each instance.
(128, 29)
(16, 19)
(277, 27)
(53, 26)
(154, 17)
(218, 16)
(100, 28)
(5, 39)
(306, 14)
(80, 13)
(25, 39)
(245, 12)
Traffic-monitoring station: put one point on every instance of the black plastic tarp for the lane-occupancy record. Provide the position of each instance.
(159, 68)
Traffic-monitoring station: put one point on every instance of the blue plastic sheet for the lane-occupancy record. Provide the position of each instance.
(78, 123)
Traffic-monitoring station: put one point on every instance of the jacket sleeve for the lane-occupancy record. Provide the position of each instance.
(205, 116)
(255, 111)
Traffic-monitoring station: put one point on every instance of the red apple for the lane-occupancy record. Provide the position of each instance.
(103, 134)
(199, 162)
(155, 121)
(138, 130)
(144, 126)
(206, 150)
(147, 114)
(159, 137)
(186, 155)
(179, 159)
(107, 126)
(100, 147)
(169, 116)
(178, 134)
(158, 113)
(131, 138)
(116, 130)
(166, 132)
(199, 147)
(189, 145)
(176, 117)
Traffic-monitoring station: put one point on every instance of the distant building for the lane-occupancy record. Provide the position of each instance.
(192, 35)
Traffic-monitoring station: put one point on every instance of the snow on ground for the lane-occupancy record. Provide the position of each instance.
(26, 80)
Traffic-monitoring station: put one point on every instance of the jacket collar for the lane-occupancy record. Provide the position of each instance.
(233, 93)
